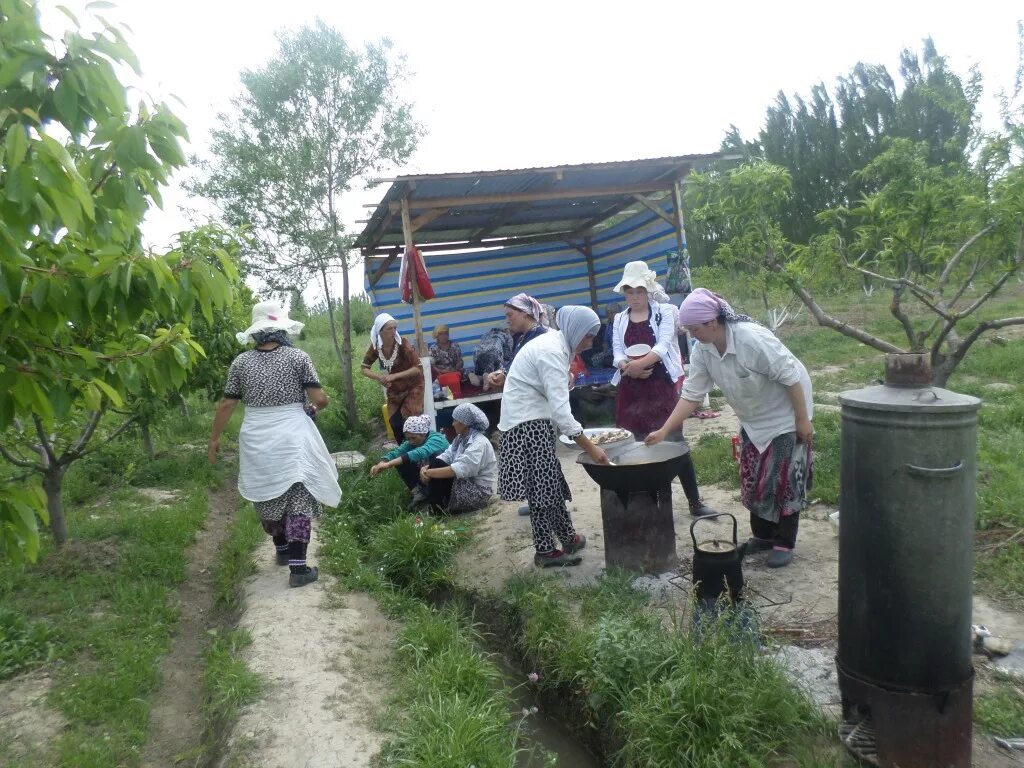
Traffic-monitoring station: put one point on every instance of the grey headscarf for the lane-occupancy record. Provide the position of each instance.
(576, 322)
(472, 417)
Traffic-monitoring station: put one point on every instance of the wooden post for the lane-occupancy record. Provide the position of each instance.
(421, 350)
(677, 209)
(588, 249)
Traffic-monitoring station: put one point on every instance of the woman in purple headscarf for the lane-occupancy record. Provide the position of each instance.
(526, 320)
(770, 391)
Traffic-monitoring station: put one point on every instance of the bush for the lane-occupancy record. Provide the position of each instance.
(23, 643)
(414, 554)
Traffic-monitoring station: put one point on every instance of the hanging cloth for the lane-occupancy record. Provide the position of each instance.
(413, 268)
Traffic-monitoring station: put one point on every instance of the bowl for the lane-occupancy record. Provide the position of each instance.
(636, 351)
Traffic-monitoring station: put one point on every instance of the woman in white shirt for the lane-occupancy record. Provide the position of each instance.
(770, 391)
(646, 387)
(536, 397)
(462, 478)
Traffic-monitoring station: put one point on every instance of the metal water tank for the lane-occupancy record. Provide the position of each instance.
(906, 536)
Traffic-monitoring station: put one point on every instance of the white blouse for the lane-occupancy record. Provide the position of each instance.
(537, 386)
(665, 335)
(753, 374)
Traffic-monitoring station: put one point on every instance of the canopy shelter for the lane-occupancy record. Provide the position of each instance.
(561, 234)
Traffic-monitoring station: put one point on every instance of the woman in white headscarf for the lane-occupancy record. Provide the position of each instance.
(400, 374)
(462, 478)
(536, 398)
(284, 467)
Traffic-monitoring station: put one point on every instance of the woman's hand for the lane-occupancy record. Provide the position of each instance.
(211, 449)
(377, 468)
(598, 455)
(655, 437)
(496, 378)
(424, 477)
(804, 430)
(637, 369)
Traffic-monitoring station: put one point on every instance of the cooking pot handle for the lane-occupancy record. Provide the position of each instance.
(709, 517)
(934, 471)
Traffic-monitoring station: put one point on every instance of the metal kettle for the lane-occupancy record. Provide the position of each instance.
(718, 563)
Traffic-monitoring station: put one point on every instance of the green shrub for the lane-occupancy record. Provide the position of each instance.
(23, 643)
(414, 554)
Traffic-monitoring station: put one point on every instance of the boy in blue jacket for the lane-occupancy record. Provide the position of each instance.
(420, 446)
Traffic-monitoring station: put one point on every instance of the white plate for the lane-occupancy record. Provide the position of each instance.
(596, 432)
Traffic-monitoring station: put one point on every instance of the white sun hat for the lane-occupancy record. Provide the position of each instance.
(636, 274)
(269, 316)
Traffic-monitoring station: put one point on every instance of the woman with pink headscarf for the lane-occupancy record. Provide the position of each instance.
(770, 391)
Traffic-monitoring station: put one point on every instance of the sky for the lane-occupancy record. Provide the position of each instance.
(511, 85)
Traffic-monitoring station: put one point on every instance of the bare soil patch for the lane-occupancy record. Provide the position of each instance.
(176, 720)
(28, 727)
(322, 658)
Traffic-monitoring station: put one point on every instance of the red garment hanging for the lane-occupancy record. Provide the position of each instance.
(413, 268)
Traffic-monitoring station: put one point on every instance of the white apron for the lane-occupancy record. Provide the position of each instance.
(280, 446)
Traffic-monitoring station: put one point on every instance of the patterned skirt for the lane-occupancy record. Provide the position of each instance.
(529, 469)
(467, 496)
(774, 484)
(297, 500)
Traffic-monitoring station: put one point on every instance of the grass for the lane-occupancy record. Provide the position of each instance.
(1000, 712)
(234, 562)
(228, 684)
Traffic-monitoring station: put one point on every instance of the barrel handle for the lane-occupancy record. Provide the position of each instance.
(934, 471)
(735, 540)
(929, 391)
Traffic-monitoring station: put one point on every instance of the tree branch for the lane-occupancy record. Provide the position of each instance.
(75, 451)
(948, 270)
(18, 462)
(45, 448)
(894, 282)
(989, 325)
(899, 314)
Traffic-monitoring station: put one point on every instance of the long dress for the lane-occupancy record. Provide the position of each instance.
(643, 405)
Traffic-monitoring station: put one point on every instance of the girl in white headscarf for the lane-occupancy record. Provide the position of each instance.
(400, 375)
(536, 398)
(462, 478)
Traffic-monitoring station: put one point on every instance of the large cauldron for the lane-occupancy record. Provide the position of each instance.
(636, 505)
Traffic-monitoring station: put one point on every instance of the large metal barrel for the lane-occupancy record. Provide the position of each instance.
(906, 533)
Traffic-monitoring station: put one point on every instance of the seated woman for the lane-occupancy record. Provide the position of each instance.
(420, 446)
(462, 478)
(493, 353)
(445, 354)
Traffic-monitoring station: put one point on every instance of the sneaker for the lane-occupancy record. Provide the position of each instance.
(780, 558)
(755, 544)
(556, 557)
(700, 509)
(282, 558)
(578, 543)
(302, 579)
(524, 511)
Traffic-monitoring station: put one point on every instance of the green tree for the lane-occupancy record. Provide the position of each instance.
(79, 167)
(307, 124)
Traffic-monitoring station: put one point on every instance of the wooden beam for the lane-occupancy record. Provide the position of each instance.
(679, 224)
(588, 250)
(424, 219)
(417, 318)
(462, 245)
(383, 268)
(654, 208)
(426, 203)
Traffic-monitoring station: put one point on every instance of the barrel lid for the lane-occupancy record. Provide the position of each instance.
(925, 399)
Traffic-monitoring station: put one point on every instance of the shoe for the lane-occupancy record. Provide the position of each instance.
(524, 511)
(418, 497)
(302, 579)
(700, 509)
(755, 544)
(780, 558)
(556, 557)
(578, 543)
(282, 558)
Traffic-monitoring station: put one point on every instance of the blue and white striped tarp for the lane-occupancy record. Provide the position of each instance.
(472, 286)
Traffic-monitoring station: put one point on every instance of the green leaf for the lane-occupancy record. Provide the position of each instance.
(39, 294)
(110, 392)
(16, 145)
(91, 396)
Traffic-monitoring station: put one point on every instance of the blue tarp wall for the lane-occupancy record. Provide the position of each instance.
(472, 286)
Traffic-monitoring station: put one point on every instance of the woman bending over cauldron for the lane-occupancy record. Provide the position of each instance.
(536, 394)
(770, 391)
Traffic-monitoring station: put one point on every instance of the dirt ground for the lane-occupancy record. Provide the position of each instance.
(321, 658)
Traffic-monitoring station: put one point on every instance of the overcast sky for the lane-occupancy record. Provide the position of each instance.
(506, 85)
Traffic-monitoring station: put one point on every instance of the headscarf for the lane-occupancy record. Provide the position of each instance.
(529, 306)
(378, 323)
(702, 306)
(439, 329)
(267, 337)
(417, 425)
(576, 322)
(472, 417)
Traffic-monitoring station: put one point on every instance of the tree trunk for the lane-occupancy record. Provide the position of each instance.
(53, 481)
(147, 440)
(344, 357)
(346, 348)
(186, 414)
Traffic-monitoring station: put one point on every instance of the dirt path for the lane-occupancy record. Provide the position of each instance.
(321, 655)
(176, 720)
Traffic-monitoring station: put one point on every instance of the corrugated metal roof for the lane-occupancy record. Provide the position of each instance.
(467, 209)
